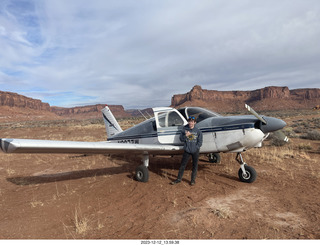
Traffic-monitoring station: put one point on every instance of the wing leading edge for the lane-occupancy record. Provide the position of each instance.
(79, 147)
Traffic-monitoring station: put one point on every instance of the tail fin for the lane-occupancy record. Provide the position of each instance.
(112, 126)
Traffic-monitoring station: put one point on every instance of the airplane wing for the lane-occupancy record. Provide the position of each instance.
(79, 147)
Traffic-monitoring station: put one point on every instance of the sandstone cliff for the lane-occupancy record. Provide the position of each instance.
(18, 107)
(17, 100)
(15, 106)
(91, 111)
(269, 98)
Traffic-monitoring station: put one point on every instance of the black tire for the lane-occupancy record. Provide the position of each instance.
(250, 175)
(142, 173)
(214, 157)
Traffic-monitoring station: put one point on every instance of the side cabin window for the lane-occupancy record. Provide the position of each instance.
(199, 113)
(144, 128)
(170, 119)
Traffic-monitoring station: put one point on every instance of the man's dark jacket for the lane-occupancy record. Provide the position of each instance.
(192, 143)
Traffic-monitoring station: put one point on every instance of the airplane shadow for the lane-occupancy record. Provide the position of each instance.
(163, 167)
(71, 175)
(158, 165)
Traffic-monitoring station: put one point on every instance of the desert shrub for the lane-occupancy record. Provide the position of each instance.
(315, 122)
(277, 138)
(289, 131)
(312, 135)
(300, 130)
(305, 147)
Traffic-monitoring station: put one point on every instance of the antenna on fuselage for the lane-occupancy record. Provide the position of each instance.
(148, 114)
(142, 114)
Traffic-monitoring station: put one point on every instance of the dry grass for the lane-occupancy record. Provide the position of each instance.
(222, 212)
(304, 146)
(81, 222)
(35, 203)
(275, 154)
(10, 171)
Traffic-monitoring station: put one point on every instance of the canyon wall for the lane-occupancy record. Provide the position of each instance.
(17, 100)
(28, 106)
(268, 98)
(91, 111)
(265, 99)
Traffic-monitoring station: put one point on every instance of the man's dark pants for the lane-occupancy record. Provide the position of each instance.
(185, 158)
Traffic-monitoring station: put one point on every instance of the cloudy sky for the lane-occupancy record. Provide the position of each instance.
(139, 53)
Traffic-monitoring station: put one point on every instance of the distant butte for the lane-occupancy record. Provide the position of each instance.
(265, 99)
(15, 106)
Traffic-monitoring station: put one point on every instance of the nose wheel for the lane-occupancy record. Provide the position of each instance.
(246, 173)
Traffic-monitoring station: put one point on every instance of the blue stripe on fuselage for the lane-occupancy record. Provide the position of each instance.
(226, 128)
(175, 132)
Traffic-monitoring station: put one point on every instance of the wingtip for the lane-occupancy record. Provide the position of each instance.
(6, 146)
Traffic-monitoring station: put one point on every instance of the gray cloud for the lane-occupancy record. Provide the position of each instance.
(141, 53)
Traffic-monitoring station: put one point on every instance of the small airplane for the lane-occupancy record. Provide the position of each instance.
(160, 136)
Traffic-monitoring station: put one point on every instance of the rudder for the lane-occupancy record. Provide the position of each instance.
(112, 126)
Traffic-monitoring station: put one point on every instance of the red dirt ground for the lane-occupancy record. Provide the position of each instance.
(96, 197)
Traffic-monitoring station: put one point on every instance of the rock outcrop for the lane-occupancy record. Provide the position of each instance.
(17, 100)
(13, 105)
(28, 107)
(268, 98)
(91, 111)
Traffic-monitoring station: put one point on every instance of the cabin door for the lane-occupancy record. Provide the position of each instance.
(169, 124)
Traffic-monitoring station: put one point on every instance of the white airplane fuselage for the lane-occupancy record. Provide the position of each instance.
(220, 134)
(224, 141)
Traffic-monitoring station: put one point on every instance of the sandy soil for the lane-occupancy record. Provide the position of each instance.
(96, 197)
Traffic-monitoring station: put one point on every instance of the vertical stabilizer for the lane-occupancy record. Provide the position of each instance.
(112, 126)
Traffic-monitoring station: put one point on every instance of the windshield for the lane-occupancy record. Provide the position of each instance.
(199, 113)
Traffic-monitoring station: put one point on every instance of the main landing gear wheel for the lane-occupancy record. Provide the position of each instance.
(142, 173)
(249, 176)
(246, 173)
(214, 157)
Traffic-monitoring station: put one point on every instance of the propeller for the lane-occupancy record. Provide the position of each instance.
(255, 114)
(273, 125)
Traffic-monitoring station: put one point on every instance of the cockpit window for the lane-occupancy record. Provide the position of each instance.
(199, 113)
(170, 119)
(162, 119)
(174, 119)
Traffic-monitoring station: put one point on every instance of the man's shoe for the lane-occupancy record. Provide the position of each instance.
(175, 182)
(192, 183)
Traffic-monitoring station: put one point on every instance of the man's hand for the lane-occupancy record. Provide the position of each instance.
(187, 133)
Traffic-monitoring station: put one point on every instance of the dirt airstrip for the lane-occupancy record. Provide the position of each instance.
(96, 197)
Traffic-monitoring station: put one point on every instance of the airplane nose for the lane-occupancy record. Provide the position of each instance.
(273, 124)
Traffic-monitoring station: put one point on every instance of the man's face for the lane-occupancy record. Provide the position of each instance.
(191, 124)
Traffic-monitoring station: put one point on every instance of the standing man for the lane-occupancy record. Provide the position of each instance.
(192, 138)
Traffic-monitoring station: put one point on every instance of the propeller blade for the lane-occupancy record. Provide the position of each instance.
(255, 114)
